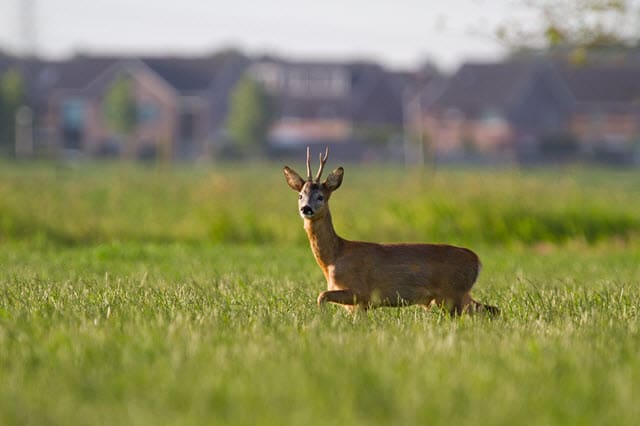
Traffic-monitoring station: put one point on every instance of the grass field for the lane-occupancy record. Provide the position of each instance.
(144, 296)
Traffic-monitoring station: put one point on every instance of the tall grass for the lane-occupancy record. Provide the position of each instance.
(252, 204)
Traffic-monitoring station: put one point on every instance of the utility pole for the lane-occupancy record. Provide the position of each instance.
(412, 129)
(27, 27)
(24, 132)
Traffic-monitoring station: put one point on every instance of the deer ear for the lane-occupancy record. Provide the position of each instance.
(293, 179)
(334, 180)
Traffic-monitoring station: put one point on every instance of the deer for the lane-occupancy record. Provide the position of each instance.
(370, 275)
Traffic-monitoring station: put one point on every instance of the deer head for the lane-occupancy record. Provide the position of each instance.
(313, 196)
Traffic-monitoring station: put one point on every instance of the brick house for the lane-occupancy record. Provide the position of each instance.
(181, 103)
(78, 122)
(499, 110)
(606, 113)
(331, 103)
(532, 111)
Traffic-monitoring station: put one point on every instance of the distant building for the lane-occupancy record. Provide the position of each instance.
(332, 103)
(499, 110)
(181, 103)
(533, 111)
(77, 117)
(606, 113)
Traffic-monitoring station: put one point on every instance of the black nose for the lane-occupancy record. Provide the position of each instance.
(307, 211)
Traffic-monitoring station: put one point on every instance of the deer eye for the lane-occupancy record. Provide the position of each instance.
(299, 196)
(320, 198)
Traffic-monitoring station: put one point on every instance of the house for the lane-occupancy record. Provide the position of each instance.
(309, 100)
(181, 103)
(331, 102)
(499, 110)
(206, 81)
(78, 121)
(532, 111)
(606, 114)
(181, 106)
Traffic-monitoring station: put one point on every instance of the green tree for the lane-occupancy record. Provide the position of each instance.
(576, 28)
(250, 116)
(120, 110)
(12, 97)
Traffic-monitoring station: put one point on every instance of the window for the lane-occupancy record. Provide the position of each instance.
(148, 112)
(73, 114)
(491, 117)
(73, 121)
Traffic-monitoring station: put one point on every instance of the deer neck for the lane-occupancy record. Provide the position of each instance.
(325, 243)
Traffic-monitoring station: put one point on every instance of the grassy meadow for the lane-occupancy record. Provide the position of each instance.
(132, 295)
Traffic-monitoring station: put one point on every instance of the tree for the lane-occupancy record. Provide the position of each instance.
(12, 97)
(120, 110)
(575, 27)
(250, 116)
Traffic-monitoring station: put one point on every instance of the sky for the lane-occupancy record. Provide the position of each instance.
(399, 34)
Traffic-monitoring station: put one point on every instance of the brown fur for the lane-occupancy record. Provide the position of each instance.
(369, 275)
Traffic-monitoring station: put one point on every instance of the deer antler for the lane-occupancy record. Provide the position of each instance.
(323, 160)
(308, 165)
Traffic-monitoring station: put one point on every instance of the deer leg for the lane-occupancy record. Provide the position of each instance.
(454, 305)
(342, 297)
(466, 304)
(447, 303)
(461, 304)
(427, 305)
(486, 309)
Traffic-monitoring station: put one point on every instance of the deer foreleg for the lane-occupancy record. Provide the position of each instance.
(342, 297)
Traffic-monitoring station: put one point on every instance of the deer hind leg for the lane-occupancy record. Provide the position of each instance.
(428, 304)
(449, 304)
(467, 304)
(462, 304)
(487, 309)
(455, 305)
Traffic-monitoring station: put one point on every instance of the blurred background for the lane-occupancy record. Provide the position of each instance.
(421, 82)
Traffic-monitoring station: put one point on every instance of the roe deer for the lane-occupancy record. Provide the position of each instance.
(367, 275)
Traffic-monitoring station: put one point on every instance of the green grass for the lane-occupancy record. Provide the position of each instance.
(252, 204)
(133, 296)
